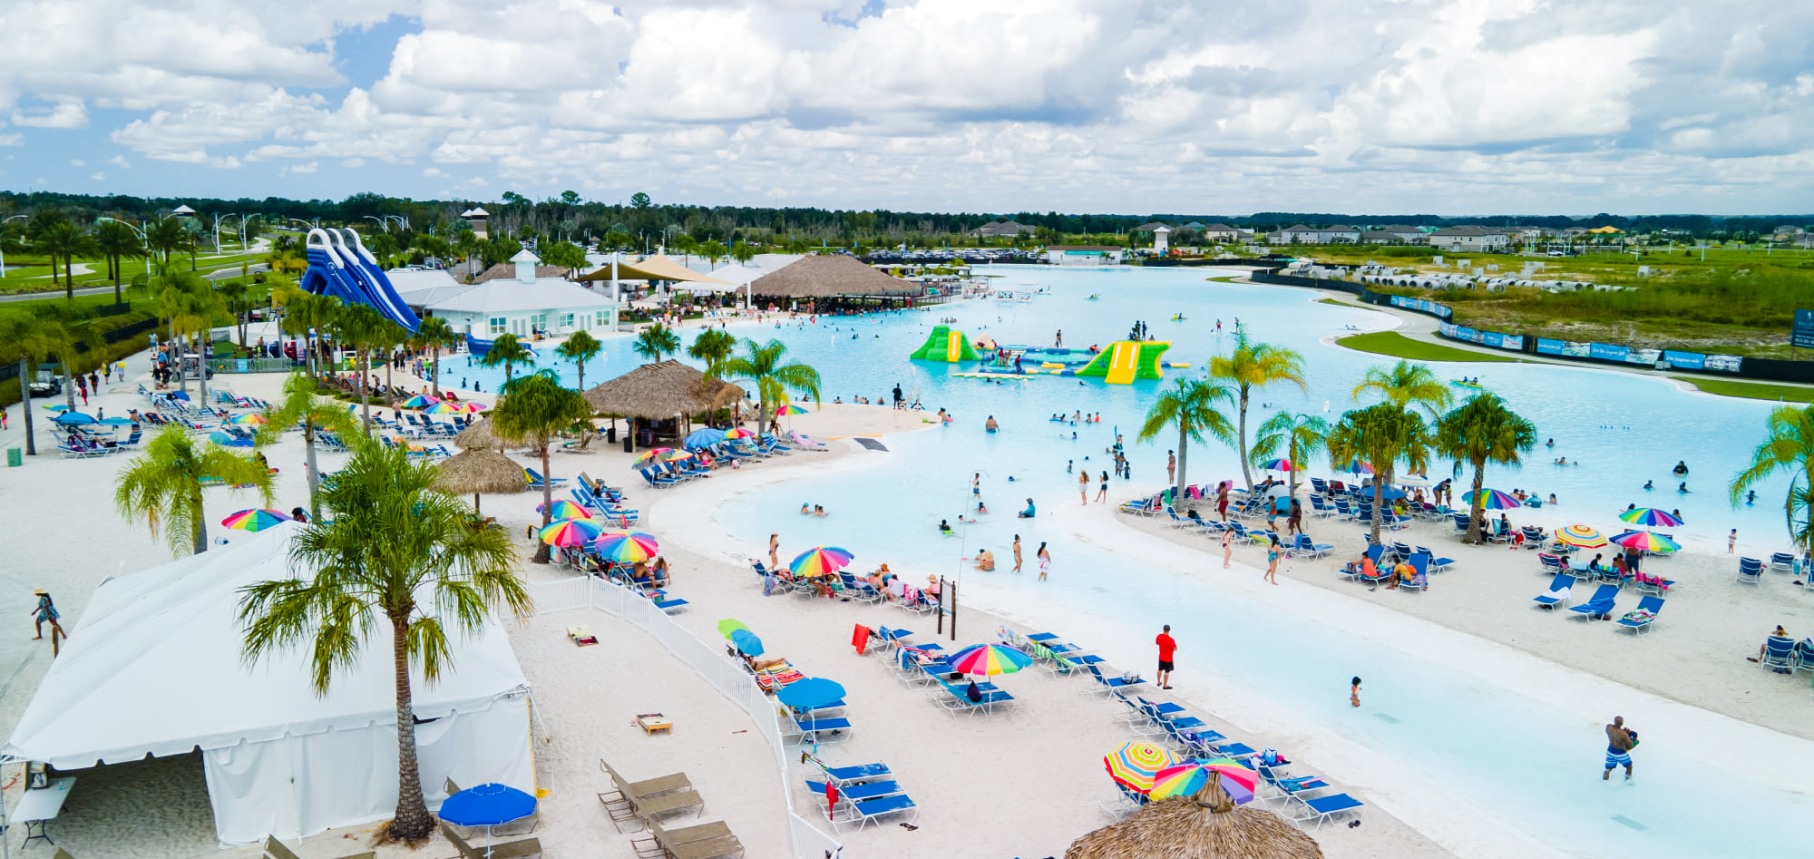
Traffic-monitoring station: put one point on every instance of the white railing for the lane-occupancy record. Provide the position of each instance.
(715, 667)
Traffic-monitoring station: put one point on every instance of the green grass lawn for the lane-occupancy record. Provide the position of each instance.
(1750, 390)
(1399, 346)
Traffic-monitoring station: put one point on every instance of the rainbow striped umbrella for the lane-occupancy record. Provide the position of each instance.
(822, 561)
(419, 401)
(445, 408)
(738, 432)
(566, 510)
(471, 408)
(788, 410)
(255, 520)
(1134, 765)
(1356, 467)
(1187, 778)
(1580, 536)
(1646, 541)
(626, 547)
(1278, 465)
(1650, 517)
(657, 453)
(988, 660)
(568, 533)
(1494, 500)
(252, 418)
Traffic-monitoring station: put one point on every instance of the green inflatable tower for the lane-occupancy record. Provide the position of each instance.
(946, 345)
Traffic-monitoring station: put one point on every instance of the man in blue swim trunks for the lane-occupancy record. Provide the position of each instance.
(1619, 743)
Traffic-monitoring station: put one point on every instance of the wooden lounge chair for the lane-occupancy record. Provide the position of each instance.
(623, 807)
(274, 849)
(506, 850)
(677, 847)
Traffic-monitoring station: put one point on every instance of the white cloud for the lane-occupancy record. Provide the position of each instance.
(119, 160)
(310, 167)
(1105, 105)
(98, 176)
(12, 140)
(354, 163)
(77, 163)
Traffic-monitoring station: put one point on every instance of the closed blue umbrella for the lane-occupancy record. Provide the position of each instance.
(117, 421)
(747, 642)
(811, 693)
(72, 419)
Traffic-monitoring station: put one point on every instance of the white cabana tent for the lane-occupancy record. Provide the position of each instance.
(156, 670)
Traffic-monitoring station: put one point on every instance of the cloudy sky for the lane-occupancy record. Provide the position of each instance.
(1362, 106)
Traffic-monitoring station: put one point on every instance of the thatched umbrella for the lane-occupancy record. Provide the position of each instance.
(1205, 826)
(480, 470)
(827, 276)
(660, 391)
(478, 435)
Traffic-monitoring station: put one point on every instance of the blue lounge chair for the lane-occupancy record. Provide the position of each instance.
(1437, 565)
(1600, 604)
(858, 792)
(1108, 685)
(1558, 592)
(538, 479)
(1314, 550)
(1779, 654)
(1322, 808)
(1652, 606)
(864, 812)
(1782, 562)
(1750, 570)
(863, 772)
(818, 731)
(1420, 580)
(656, 480)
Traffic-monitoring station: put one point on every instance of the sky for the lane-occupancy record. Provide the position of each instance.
(1449, 107)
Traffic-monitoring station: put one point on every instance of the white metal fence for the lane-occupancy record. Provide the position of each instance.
(716, 667)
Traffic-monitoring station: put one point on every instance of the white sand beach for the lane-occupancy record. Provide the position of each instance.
(1023, 782)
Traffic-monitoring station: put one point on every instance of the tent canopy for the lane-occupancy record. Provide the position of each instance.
(654, 268)
(157, 671)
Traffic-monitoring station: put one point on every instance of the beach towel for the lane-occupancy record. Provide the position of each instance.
(859, 638)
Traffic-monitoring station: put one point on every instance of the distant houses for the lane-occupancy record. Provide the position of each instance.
(1002, 229)
(1470, 239)
(1394, 234)
(1304, 234)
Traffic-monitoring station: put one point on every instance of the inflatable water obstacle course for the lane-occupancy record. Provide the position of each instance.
(946, 345)
(1120, 364)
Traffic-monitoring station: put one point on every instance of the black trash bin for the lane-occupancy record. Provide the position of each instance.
(610, 435)
(627, 441)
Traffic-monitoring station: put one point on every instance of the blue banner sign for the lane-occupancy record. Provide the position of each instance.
(1802, 336)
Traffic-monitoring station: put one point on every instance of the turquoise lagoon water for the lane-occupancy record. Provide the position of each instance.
(1524, 761)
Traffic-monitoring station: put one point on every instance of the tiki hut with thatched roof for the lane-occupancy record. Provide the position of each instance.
(831, 276)
(480, 470)
(478, 435)
(1205, 826)
(659, 393)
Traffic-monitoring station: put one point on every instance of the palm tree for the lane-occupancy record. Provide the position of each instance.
(712, 346)
(1249, 367)
(361, 326)
(164, 236)
(1294, 437)
(1789, 447)
(391, 337)
(1381, 434)
(533, 410)
(238, 298)
(436, 578)
(310, 316)
(1191, 405)
(434, 333)
(1407, 385)
(509, 351)
(65, 240)
(300, 406)
(1480, 431)
(656, 342)
(164, 484)
(762, 364)
(116, 241)
(38, 336)
(580, 348)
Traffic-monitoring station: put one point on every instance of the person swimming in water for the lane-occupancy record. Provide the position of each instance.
(1650, 484)
(990, 425)
(1683, 487)
(1681, 469)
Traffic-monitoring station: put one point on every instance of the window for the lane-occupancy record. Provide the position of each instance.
(497, 325)
(567, 321)
(538, 322)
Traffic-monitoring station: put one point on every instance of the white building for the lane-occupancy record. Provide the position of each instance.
(1308, 235)
(1469, 239)
(1083, 255)
(1161, 239)
(524, 305)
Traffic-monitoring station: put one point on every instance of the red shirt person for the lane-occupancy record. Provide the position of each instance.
(1167, 646)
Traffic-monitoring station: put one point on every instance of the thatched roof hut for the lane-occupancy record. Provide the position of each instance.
(661, 391)
(478, 435)
(825, 276)
(480, 470)
(1205, 826)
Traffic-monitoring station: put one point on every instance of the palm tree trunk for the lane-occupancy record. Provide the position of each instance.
(114, 261)
(365, 392)
(310, 470)
(412, 821)
(1183, 456)
(201, 357)
(1478, 505)
(437, 380)
(25, 377)
(69, 277)
(1379, 494)
(201, 521)
(1245, 474)
(542, 553)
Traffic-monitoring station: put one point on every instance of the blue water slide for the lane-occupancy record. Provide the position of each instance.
(364, 268)
(351, 274)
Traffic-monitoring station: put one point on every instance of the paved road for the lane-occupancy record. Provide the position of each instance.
(218, 274)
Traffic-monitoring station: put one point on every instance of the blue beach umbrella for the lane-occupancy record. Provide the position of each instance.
(180, 395)
(703, 437)
(747, 642)
(57, 407)
(811, 693)
(489, 804)
(117, 421)
(1391, 494)
(72, 419)
(225, 440)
